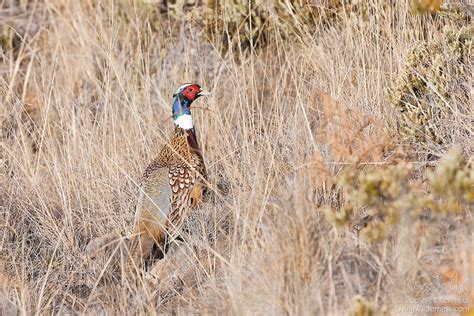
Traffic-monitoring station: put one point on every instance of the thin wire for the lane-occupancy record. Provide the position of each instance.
(376, 163)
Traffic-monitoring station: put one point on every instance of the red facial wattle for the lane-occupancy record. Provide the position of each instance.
(191, 92)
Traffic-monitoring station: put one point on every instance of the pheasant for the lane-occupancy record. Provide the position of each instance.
(172, 184)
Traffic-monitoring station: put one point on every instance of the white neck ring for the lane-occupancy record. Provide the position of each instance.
(185, 121)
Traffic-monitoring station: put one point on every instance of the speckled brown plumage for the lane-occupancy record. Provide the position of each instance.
(172, 184)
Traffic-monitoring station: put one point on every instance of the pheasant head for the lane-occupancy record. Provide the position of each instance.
(182, 99)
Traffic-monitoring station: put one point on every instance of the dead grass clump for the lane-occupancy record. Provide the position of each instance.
(238, 26)
(424, 6)
(350, 134)
(432, 94)
(453, 275)
(418, 213)
(352, 139)
(18, 25)
(285, 162)
(24, 123)
(388, 190)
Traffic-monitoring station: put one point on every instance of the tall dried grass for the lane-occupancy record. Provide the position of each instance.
(85, 106)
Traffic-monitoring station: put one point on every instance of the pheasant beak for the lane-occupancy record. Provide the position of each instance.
(203, 93)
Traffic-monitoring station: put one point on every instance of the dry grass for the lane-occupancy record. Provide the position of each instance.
(85, 105)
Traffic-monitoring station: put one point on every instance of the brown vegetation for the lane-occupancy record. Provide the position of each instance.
(320, 201)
